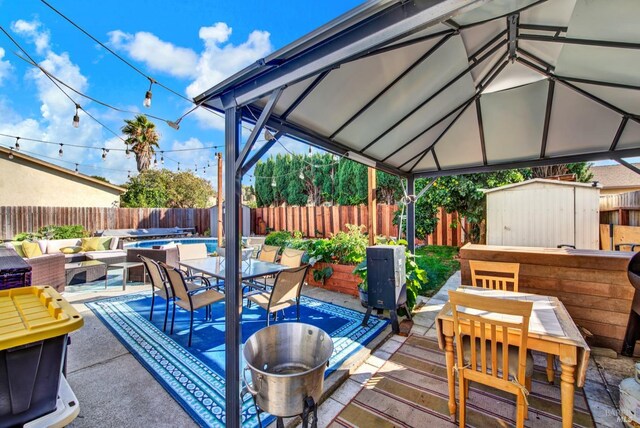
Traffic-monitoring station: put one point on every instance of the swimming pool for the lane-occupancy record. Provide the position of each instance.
(211, 243)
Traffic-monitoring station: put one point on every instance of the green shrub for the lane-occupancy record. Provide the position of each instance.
(63, 232)
(278, 239)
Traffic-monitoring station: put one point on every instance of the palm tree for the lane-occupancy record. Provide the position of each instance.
(143, 139)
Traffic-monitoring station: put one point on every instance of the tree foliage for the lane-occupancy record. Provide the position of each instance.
(167, 189)
(581, 170)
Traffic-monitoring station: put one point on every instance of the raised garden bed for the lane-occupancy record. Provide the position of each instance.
(342, 280)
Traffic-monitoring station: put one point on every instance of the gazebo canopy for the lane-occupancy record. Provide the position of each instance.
(431, 88)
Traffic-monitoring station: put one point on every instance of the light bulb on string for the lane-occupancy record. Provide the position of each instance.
(148, 94)
(128, 174)
(10, 153)
(17, 143)
(155, 161)
(273, 182)
(310, 152)
(204, 170)
(76, 118)
(301, 176)
(127, 152)
(104, 154)
(76, 171)
(162, 158)
(178, 166)
(196, 168)
(60, 152)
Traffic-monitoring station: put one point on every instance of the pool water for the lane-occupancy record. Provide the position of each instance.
(211, 243)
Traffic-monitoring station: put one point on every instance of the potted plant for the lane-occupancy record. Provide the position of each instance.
(361, 272)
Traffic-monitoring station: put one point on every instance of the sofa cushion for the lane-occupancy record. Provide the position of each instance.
(91, 244)
(105, 255)
(70, 250)
(54, 245)
(16, 246)
(31, 249)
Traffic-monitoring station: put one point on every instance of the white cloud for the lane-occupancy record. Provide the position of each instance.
(157, 54)
(35, 32)
(5, 67)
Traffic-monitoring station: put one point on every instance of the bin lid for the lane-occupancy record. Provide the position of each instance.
(30, 314)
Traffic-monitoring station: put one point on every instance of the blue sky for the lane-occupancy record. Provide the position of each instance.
(188, 46)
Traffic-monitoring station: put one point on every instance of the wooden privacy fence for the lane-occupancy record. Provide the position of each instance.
(14, 220)
(322, 221)
(622, 209)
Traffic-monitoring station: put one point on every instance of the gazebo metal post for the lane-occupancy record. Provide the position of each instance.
(411, 215)
(232, 279)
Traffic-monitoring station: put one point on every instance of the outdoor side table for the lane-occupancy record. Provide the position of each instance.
(125, 271)
(14, 271)
(92, 269)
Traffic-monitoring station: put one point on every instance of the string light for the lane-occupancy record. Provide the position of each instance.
(104, 154)
(196, 168)
(155, 161)
(310, 151)
(127, 152)
(148, 95)
(60, 152)
(76, 118)
(162, 158)
(273, 182)
(17, 145)
(128, 174)
(76, 171)
(268, 135)
(10, 153)
(301, 176)
(178, 166)
(204, 170)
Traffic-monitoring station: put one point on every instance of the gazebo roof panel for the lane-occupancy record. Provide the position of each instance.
(289, 95)
(365, 78)
(513, 76)
(427, 163)
(513, 122)
(550, 12)
(491, 10)
(458, 93)
(630, 138)
(418, 85)
(460, 145)
(579, 125)
(625, 99)
(606, 20)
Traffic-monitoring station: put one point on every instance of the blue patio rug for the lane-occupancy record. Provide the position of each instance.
(195, 376)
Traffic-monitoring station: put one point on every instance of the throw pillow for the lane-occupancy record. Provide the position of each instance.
(31, 249)
(104, 244)
(17, 246)
(70, 250)
(90, 244)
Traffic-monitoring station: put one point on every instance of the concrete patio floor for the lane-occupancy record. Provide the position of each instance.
(114, 390)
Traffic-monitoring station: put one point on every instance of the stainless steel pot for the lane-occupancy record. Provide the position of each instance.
(287, 363)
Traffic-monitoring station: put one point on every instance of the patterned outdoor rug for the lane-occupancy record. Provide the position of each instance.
(410, 390)
(195, 376)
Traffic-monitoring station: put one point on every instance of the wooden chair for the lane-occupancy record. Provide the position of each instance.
(268, 253)
(502, 360)
(284, 294)
(502, 276)
(483, 274)
(189, 296)
(291, 258)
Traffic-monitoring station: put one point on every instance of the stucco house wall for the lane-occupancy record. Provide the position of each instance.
(26, 181)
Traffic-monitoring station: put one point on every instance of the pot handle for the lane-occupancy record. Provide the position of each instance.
(252, 391)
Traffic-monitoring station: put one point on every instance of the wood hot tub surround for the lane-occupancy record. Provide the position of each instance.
(592, 284)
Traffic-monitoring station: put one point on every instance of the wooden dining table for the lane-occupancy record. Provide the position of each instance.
(551, 331)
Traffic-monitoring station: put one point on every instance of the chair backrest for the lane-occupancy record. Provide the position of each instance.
(494, 275)
(176, 281)
(491, 320)
(291, 258)
(155, 272)
(192, 251)
(288, 285)
(268, 253)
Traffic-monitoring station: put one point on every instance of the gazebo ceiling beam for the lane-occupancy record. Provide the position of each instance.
(435, 94)
(546, 65)
(497, 37)
(619, 132)
(585, 157)
(408, 70)
(574, 41)
(537, 27)
(547, 118)
(598, 82)
(261, 152)
(483, 146)
(631, 166)
(313, 138)
(512, 34)
(522, 9)
(404, 44)
(577, 89)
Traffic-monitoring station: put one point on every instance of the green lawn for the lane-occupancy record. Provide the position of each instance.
(440, 262)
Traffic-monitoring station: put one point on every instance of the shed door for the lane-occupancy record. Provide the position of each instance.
(540, 216)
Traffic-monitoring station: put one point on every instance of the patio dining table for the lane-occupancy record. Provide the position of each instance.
(251, 269)
(551, 330)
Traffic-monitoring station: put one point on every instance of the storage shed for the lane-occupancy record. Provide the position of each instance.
(544, 213)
